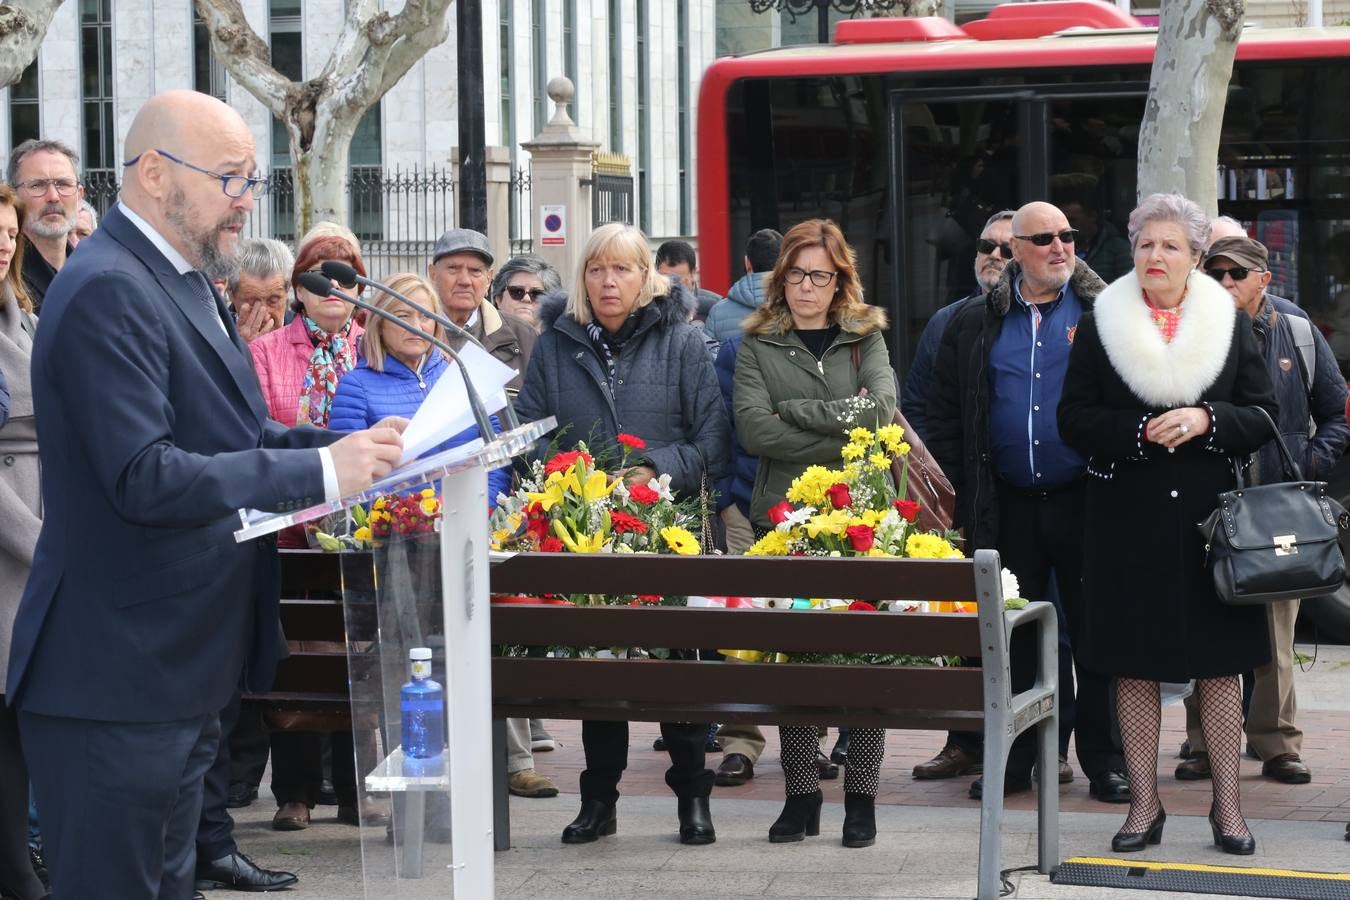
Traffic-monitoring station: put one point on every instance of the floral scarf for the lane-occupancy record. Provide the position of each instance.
(334, 355)
(1167, 320)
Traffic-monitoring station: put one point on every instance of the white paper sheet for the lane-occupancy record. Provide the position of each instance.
(446, 412)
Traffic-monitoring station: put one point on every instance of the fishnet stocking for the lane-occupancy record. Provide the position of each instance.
(1140, 715)
(1221, 722)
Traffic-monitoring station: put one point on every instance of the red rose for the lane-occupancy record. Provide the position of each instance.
(779, 512)
(631, 441)
(861, 605)
(839, 495)
(643, 494)
(623, 522)
(908, 509)
(860, 537)
(563, 461)
(550, 544)
(649, 599)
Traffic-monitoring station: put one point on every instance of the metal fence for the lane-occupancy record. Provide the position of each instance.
(397, 215)
(611, 188)
(519, 212)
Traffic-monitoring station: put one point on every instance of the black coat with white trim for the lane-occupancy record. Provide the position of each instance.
(1150, 607)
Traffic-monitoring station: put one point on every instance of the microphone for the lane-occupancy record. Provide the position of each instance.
(320, 286)
(346, 275)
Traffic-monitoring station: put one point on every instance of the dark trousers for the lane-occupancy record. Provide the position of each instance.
(250, 742)
(215, 829)
(120, 802)
(16, 872)
(297, 767)
(606, 746)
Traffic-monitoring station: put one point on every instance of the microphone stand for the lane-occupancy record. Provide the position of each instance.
(345, 275)
(320, 286)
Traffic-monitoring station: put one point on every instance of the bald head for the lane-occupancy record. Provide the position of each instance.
(178, 147)
(1045, 267)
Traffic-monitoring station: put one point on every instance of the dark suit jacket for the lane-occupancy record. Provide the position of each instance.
(152, 433)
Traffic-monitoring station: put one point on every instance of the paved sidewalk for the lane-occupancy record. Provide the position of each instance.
(928, 831)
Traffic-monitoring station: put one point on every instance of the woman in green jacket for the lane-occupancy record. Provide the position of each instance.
(810, 349)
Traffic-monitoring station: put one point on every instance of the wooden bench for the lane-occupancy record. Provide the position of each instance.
(650, 690)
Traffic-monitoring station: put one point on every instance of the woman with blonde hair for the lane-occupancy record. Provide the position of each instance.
(810, 349)
(619, 355)
(21, 507)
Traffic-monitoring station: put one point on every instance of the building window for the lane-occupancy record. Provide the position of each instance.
(24, 119)
(615, 79)
(539, 62)
(682, 117)
(96, 83)
(284, 39)
(644, 124)
(208, 75)
(505, 47)
(570, 50)
(365, 194)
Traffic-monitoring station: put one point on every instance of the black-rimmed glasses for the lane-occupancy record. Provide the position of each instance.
(819, 277)
(987, 247)
(1238, 273)
(234, 186)
(518, 293)
(1046, 238)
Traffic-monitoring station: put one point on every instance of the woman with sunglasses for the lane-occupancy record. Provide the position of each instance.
(809, 350)
(1162, 389)
(520, 283)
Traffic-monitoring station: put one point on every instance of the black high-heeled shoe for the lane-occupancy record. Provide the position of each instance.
(1236, 844)
(1134, 841)
(597, 819)
(800, 817)
(860, 820)
(696, 825)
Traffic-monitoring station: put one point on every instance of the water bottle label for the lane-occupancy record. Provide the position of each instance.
(421, 668)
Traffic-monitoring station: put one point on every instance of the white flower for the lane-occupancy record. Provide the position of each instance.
(1010, 586)
(662, 486)
(796, 518)
(621, 491)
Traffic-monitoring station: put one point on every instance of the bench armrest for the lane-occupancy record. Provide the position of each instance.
(1027, 706)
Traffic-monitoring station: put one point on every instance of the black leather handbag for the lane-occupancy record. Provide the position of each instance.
(1274, 542)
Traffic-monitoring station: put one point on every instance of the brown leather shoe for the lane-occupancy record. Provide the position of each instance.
(1194, 769)
(529, 783)
(952, 762)
(736, 769)
(1288, 768)
(292, 816)
(1347, 831)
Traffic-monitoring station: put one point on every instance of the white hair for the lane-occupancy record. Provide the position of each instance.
(1171, 208)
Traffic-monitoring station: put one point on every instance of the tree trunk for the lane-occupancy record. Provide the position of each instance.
(319, 175)
(1188, 87)
(23, 25)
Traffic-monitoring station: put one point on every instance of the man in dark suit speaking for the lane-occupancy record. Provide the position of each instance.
(142, 611)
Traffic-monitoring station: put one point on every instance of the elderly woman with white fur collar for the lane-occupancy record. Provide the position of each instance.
(1160, 393)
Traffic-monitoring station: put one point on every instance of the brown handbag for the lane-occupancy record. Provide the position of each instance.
(925, 484)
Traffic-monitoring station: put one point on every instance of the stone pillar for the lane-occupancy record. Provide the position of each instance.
(560, 176)
(498, 164)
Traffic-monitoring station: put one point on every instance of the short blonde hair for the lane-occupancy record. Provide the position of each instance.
(621, 243)
(329, 229)
(408, 284)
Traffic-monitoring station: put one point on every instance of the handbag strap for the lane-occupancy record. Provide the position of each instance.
(1291, 468)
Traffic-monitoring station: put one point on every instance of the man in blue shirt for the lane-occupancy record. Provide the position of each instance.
(991, 424)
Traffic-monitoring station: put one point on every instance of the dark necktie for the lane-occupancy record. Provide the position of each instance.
(202, 288)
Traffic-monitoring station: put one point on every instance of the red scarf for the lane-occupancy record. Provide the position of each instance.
(1167, 320)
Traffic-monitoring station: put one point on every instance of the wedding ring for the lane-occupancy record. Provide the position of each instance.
(1183, 429)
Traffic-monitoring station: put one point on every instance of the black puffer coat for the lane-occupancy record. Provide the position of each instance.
(665, 390)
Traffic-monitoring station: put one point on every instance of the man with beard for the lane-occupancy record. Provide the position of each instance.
(142, 615)
(1019, 488)
(44, 173)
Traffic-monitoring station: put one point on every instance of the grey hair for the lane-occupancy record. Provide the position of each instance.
(34, 145)
(261, 258)
(1171, 208)
(87, 207)
(999, 216)
(530, 265)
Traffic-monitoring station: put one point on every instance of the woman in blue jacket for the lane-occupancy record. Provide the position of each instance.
(398, 370)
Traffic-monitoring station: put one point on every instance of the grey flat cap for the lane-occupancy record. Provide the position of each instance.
(462, 240)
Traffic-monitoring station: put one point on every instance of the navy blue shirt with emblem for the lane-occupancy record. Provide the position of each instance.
(1026, 377)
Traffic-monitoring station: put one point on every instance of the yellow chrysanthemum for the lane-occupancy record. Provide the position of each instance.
(853, 451)
(380, 503)
(891, 435)
(808, 489)
(680, 540)
(902, 450)
(361, 534)
(930, 546)
(880, 461)
(860, 436)
(429, 493)
(430, 506)
(775, 543)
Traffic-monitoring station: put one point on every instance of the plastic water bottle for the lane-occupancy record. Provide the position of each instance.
(422, 703)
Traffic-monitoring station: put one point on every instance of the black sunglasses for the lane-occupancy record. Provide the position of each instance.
(518, 293)
(1046, 238)
(988, 247)
(1238, 273)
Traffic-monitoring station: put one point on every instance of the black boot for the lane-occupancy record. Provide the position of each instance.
(800, 817)
(860, 820)
(839, 755)
(597, 819)
(696, 825)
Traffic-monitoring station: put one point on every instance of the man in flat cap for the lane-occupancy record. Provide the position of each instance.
(461, 270)
(1312, 419)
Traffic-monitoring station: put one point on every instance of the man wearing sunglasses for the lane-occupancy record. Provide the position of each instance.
(44, 174)
(1312, 399)
(1019, 488)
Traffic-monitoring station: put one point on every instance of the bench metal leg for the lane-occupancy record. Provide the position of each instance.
(1047, 799)
(991, 807)
(501, 784)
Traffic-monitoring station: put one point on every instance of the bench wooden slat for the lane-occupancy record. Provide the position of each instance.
(927, 634)
(922, 720)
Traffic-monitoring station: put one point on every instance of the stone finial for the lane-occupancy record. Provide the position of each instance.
(561, 91)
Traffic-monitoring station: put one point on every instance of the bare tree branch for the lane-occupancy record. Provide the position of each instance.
(244, 54)
(23, 24)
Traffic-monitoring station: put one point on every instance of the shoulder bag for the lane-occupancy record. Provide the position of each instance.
(1272, 542)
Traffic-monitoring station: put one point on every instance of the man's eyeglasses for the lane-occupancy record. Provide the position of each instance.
(518, 293)
(988, 247)
(1046, 238)
(37, 187)
(1238, 273)
(818, 277)
(234, 186)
